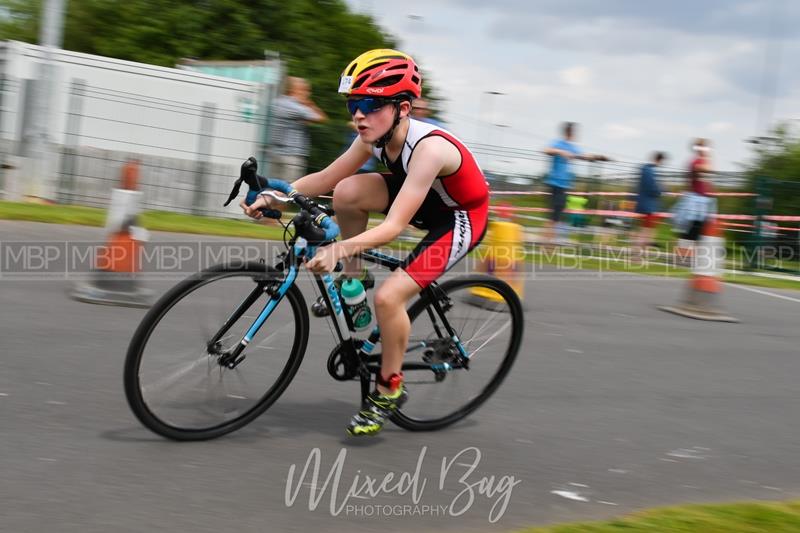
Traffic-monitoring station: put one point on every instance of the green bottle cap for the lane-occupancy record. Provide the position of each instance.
(352, 288)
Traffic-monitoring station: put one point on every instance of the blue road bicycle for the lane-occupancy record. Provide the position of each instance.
(219, 348)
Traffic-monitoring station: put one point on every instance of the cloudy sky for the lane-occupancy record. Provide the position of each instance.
(638, 75)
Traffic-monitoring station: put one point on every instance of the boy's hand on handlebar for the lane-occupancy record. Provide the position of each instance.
(324, 260)
(254, 210)
(261, 202)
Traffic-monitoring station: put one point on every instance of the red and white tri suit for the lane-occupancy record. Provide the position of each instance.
(455, 211)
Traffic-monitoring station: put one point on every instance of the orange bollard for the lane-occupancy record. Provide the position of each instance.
(702, 298)
(114, 280)
(130, 175)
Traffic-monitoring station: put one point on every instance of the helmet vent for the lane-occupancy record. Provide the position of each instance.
(359, 82)
(388, 81)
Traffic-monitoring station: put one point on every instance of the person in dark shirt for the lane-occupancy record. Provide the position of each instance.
(647, 199)
(699, 166)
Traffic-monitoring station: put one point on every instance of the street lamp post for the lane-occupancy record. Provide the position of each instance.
(499, 142)
(488, 107)
(37, 137)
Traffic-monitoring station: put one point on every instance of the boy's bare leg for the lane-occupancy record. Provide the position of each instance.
(353, 200)
(391, 299)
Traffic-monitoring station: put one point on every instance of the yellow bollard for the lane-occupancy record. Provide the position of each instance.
(504, 259)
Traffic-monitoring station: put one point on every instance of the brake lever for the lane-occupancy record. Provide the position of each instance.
(327, 210)
(273, 194)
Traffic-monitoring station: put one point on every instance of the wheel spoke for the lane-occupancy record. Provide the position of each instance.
(481, 329)
(184, 393)
(165, 381)
(492, 336)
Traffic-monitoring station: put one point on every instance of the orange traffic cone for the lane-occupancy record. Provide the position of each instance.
(702, 299)
(114, 280)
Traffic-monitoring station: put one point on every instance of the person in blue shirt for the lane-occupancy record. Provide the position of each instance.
(647, 199)
(561, 176)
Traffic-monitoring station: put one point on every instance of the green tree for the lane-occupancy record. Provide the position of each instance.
(776, 170)
(315, 38)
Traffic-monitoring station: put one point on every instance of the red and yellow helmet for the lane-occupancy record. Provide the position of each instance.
(381, 72)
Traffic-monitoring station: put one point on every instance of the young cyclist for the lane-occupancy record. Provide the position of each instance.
(434, 183)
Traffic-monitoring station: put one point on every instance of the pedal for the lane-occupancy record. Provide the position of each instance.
(319, 308)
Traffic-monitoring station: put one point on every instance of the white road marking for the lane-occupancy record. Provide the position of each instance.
(765, 293)
(687, 453)
(569, 495)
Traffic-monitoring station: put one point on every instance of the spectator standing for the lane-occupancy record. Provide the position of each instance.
(699, 186)
(576, 205)
(560, 177)
(647, 199)
(696, 206)
(290, 142)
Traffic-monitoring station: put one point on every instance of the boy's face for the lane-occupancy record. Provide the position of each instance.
(372, 125)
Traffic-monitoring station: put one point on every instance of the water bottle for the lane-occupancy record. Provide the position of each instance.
(355, 298)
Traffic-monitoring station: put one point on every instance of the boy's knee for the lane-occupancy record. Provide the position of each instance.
(346, 194)
(384, 299)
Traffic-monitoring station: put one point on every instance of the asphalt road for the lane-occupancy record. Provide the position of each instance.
(612, 406)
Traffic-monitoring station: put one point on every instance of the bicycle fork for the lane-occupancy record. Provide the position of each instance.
(231, 358)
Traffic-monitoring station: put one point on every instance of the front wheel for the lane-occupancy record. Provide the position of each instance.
(175, 382)
(486, 316)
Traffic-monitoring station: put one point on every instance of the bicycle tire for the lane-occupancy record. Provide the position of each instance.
(138, 344)
(412, 423)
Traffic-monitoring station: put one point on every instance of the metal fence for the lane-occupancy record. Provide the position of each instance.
(189, 153)
(189, 131)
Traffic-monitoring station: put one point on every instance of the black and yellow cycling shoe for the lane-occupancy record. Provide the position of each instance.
(376, 410)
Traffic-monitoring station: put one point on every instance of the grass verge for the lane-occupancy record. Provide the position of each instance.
(183, 223)
(152, 220)
(780, 517)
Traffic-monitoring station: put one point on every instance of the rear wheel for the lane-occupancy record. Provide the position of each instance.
(174, 380)
(486, 316)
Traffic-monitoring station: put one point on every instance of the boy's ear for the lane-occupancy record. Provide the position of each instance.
(405, 108)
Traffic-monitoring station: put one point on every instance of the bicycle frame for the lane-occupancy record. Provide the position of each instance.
(368, 363)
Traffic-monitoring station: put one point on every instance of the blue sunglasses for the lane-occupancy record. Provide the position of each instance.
(367, 104)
